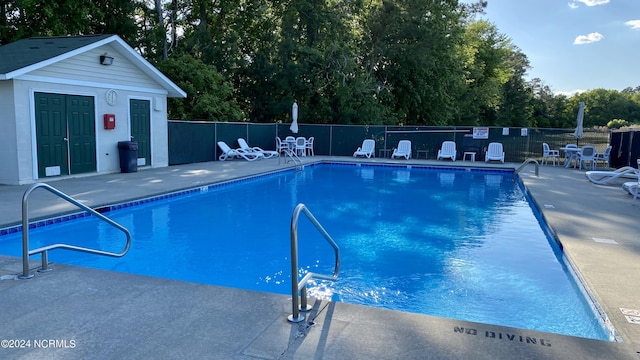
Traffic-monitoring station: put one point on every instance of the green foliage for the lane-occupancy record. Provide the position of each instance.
(410, 62)
(493, 70)
(28, 18)
(411, 51)
(617, 123)
(210, 97)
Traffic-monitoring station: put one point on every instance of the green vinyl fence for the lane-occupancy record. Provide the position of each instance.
(191, 141)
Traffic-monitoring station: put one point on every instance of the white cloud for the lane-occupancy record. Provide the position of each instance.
(569, 93)
(587, 39)
(575, 4)
(594, 2)
(634, 24)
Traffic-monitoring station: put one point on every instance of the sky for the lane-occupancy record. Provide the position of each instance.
(573, 45)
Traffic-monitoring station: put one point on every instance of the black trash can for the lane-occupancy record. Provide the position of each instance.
(128, 151)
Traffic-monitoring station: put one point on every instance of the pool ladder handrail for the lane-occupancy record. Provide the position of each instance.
(291, 154)
(25, 232)
(526, 162)
(300, 304)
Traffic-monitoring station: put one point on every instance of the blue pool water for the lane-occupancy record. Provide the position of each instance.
(452, 243)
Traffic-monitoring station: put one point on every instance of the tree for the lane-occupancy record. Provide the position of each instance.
(411, 49)
(515, 109)
(210, 97)
(617, 123)
(604, 105)
(487, 68)
(28, 18)
(411, 62)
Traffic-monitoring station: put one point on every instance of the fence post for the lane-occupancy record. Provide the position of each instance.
(215, 141)
(330, 139)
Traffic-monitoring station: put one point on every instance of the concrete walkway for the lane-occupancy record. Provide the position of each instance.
(79, 313)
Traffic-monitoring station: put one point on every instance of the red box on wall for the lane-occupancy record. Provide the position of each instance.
(109, 121)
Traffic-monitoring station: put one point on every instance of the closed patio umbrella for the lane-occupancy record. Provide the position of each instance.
(579, 121)
(294, 115)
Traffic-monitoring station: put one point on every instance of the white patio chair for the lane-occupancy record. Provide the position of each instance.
(267, 154)
(570, 154)
(403, 150)
(447, 151)
(291, 143)
(367, 149)
(281, 146)
(309, 146)
(229, 153)
(587, 153)
(301, 146)
(494, 152)
(603, 157)
(548, 153)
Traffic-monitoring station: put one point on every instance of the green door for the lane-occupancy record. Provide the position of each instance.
(82, 134)
(140, 111)
(65, 134)
(51, 134)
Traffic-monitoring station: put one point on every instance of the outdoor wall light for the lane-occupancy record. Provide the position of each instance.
(106, 59)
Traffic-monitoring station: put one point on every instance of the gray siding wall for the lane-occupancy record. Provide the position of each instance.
(8, 145)
(82, 68)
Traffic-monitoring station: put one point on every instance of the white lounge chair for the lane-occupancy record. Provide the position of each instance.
(267, 154)
(367, 149)
(494, 152)
(229, 153)
(548, 153)
(447, 151)
(403, 150)
(633, 188)
(605, 177)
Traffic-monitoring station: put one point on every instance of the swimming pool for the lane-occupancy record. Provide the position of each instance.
(453, 243)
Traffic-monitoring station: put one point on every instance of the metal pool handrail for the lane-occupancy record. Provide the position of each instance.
(300, 304)
(291, 154)
(525, 163)
(25, 232)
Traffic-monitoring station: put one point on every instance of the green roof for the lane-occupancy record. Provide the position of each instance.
(24, 56)
(27, 52)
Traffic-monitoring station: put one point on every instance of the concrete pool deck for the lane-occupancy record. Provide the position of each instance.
(77, 313)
